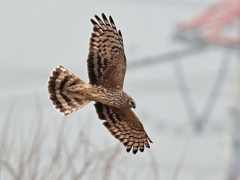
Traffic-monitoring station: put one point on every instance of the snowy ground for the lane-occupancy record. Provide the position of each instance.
(37, 36)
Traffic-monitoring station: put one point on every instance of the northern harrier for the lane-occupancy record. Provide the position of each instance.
(106, 70)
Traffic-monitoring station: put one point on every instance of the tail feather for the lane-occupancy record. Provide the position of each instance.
(62, 99)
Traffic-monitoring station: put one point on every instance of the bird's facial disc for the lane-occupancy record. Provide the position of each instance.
(132, 104)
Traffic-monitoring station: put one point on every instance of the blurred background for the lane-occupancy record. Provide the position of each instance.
(183, 72)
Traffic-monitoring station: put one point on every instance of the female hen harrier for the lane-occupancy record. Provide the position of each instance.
(106, 70)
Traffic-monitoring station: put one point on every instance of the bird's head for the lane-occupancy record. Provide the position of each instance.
(127, 101)
(131, 103)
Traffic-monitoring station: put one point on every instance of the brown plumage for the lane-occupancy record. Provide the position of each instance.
(106, 58)
(106, 65)
(124, 125)
(61, 98)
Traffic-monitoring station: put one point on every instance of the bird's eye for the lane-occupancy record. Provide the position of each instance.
(132, 104)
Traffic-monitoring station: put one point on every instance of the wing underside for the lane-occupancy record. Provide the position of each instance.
(124, 125)
(106, 58)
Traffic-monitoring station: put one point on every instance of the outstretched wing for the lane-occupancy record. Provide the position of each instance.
(106, 59)
(125, 126)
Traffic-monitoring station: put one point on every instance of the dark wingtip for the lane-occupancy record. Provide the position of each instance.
(93, 22)
(119, 32)
(135, 151)
(111, 19)
(141, 150)
(96, 16)
(103, 16)
(128, 149)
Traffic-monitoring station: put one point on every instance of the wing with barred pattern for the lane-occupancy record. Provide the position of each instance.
(124, 125)
(106, 59)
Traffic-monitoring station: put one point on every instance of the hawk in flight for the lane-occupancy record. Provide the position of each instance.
(106, 64)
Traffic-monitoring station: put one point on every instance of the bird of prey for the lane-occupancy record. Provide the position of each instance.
(106, 64)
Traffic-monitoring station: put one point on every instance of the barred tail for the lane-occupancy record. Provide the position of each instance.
(62, 99)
